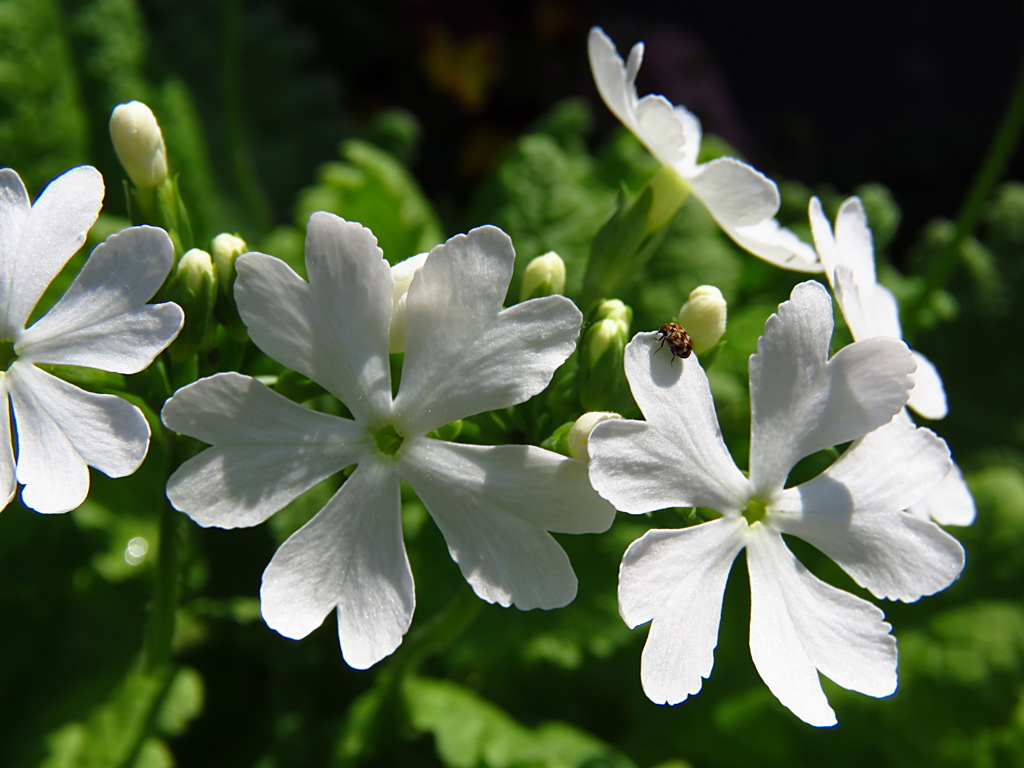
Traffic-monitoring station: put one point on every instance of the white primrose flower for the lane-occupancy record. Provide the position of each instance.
(871, 311)
(102, 322)
(741, 199)
(801, 402)
(464, 355)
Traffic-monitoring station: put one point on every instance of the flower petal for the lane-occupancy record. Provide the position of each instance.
(949, 503)
(350, 556)
(856, 246)
(14, 210)
(670, 133)
(678, 458)
(777, 245)
(677, 578)
(494, 506)
(267, 450)
(8, 482)
(801, 402)
(463, 356)
(615, 83)
(102, 321)
(663, 129)
(50, 234)
(334, 328)
(799, 626)
(735, 193)
(928, 397)
(744, 201)
(852, 513)
(61, 429)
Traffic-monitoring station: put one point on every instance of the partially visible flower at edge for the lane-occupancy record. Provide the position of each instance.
(741, 199)
(464, 355)
(801, 402)
(102, 322)
(871, 311)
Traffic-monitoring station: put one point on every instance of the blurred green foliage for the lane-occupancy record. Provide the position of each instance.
(473, 685)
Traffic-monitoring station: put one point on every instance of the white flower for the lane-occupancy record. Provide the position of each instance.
(102, 322)
(801, 402)
(742, 200)
(871, 311)
(464, 355)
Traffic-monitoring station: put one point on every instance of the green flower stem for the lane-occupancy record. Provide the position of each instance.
(999, 154)
(157, 653)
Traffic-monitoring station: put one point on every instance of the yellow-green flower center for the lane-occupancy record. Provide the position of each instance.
(388, 440)
(755, 511)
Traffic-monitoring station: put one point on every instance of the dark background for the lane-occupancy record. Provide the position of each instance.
(907, 93)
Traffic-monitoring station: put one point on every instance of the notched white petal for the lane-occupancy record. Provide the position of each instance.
(102, 321)
(464, 354)
(127, 343)
(852, 513)
(615, 82)
(333, 329)
(62, 429)
(495, 506)
(677, 578)
(928, 397)
(801, 402)
(800, 626)
(349, 557)
(949, 503)
(675, 398)
(267, 450)
(51, 233)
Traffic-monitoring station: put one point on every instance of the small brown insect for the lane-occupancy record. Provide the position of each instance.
(678, 340)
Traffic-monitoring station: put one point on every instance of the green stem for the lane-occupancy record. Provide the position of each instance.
(999, 154)
(157, 653)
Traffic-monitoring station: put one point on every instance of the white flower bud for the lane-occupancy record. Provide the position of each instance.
(196, 268)
(139, 144)
(579, 435)
(226, 248)
(403, 273)
(703, 316)
(544, 276)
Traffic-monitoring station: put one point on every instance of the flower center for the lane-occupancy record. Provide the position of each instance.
(388, 440)
(755, 511)
(7, 354)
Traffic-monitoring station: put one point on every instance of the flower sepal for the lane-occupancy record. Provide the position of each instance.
(622, 246)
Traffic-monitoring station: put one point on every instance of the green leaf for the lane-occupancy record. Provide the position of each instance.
(123, 732)
(470, 732)
(373, 187)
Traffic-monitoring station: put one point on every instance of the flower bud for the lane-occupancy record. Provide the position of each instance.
(600, 376)
(403, 273)
(193, 286)
(703, 316)
(139, 144)
(226, 248)
(579, 435)
(544, 276)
